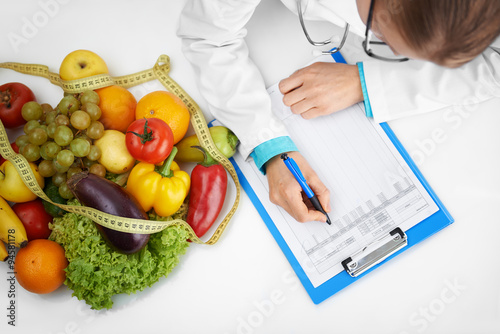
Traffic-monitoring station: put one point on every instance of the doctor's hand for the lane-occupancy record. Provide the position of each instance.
(321, 89)
(286, 192)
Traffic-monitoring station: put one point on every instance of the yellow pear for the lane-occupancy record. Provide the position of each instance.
(114, 154)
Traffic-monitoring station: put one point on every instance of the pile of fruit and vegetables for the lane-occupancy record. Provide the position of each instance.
(103, 149)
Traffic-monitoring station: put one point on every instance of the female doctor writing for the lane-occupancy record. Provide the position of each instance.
(443, 53)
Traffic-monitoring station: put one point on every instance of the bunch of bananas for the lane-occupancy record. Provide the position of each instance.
(12, 230)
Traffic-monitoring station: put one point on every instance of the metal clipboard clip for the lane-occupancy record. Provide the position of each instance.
(375, 252)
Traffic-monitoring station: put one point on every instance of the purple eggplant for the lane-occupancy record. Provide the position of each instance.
(104, 195)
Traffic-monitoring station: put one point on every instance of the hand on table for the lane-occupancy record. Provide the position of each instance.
(286, 192)
(321, 89)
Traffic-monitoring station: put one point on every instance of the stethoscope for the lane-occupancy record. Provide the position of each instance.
(325, 42)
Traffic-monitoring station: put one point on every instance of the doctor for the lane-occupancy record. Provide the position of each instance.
(454, 61)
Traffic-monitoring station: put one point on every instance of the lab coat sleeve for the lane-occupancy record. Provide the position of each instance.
(212, 34)
(415, 87)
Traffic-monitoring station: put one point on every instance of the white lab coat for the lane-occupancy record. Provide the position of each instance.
(213, 32)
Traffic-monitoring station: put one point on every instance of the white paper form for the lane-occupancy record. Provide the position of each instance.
(372, 188)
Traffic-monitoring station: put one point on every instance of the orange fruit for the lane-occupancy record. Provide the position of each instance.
(39, 266)
(117, 106)
(168, 107)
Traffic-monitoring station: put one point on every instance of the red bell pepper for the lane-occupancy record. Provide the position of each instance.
(208, 191)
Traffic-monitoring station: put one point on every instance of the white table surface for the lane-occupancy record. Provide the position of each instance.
(447, 284)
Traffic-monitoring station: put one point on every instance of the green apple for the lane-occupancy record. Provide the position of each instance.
(12, 187)
(81, 64)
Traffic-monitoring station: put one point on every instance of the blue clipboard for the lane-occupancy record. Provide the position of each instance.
(416, 234)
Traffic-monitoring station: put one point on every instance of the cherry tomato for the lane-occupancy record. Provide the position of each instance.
(14, 147)
(13, 96)
(149, 140)
(34, 218)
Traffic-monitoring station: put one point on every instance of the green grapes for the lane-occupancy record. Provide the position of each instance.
(68, 105)
(46, 168)
(65, 158)
(31, 111)
(43, 152)
(59, 178)
(93, 110)
(22, 140)
(51, 129)
(80, 120)
(65, 192)
(94, 154)
(80, 147)
(62, 120)
(31, 152)
(95, 130)
(50, 116)
(46, 108)
(30, 125)
(52, 149)
(63, 135)
(72, 171)
(89, 96)
(98, 169)
(59, 168)
(61, 139)
(38, 136)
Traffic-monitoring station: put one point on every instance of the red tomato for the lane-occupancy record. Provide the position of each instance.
(149, 140)
(34, 218)
(14, 147)
(13, 96)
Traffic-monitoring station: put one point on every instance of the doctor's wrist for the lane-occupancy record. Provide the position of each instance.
(271, 148)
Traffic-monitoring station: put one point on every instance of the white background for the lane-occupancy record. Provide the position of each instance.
(244, 284)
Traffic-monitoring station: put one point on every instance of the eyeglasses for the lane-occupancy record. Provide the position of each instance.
(375, 48)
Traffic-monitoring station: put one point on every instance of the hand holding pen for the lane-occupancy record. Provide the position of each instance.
(297, 174)
(285, 191)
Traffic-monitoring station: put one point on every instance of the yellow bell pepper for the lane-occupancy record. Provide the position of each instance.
(163, 188)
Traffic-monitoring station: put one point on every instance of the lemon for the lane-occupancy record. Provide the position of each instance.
(114, 154)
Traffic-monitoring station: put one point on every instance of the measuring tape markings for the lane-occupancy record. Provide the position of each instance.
(130, 225)
(123, 224)
(200, 127)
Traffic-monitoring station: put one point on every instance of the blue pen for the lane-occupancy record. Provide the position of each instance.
(294, 168)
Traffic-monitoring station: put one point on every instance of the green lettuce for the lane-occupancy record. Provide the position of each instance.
(96, 272)
(120, 179)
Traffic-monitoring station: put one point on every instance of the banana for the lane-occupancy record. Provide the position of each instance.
(12, 231)
(3, 252)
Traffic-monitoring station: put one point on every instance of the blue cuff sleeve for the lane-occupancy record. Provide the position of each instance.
(265, 151)
(368, 107)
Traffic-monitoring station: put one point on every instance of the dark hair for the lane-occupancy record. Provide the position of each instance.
(449, 32)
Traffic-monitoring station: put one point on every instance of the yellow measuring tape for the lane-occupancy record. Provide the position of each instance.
(160, 72)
